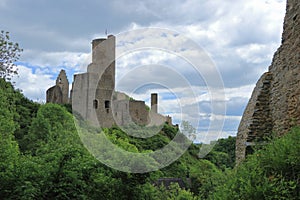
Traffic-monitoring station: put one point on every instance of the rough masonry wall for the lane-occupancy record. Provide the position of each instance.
(256, 120)
(285, 90)
(60, 92)
(138, 112)
(63, 83)
(93, 94)
(275, 103)
(54, 95)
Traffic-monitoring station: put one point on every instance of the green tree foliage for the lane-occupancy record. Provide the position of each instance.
(22, 109)
(60, 167)
(9, 54)
(9, 151)
(54, 164)
(223, 153)
(52, 124)
(270, 173)
(26, 111)
(173, 193)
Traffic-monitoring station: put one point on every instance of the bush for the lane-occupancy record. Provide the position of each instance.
(270, 173)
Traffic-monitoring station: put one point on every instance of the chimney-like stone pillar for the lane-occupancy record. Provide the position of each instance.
(154, 102)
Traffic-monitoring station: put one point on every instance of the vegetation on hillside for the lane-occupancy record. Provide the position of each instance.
(42, 157)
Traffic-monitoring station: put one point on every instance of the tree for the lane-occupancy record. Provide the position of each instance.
(271, 172)
(223, 153)
(9, 54)
(9, 151)
(188, 129)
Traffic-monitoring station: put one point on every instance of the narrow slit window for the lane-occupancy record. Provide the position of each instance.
(95, 104)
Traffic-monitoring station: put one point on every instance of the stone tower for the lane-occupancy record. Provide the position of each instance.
(154, 102)
(92, 91)
(93, 96)
(274, 106)
(104, 62)
(60, 92)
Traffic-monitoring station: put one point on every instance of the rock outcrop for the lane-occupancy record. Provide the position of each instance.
(274, 106)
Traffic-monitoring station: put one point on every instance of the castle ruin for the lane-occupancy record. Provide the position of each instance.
(93, 94)
(274, 106)
(60, 92)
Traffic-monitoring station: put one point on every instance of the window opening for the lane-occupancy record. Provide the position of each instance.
(95, 104)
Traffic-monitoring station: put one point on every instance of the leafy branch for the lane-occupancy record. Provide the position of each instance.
(9, 54)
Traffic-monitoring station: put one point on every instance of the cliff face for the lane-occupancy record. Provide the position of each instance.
(275, 102)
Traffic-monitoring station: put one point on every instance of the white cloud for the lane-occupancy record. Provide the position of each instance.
(76, 61)
(257, 53)
(33, 85)
(240, 37)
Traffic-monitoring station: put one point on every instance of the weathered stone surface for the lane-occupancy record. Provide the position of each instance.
(60, 92)
(94, 96)
(54, 95)
(63, 83)
(275, 105)
(92, 91)
(256, 120)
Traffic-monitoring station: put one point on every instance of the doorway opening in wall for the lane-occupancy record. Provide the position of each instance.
(249, 150)
(107, 105)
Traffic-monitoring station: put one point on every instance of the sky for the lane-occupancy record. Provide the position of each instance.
(237, 37)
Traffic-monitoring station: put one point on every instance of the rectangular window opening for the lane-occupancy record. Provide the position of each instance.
(107, 105)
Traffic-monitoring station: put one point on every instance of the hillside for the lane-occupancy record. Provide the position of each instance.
(42, 157)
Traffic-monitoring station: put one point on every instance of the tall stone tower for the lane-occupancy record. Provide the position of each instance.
(93, 96)
(274, 106)
(154, 102)
(104, 63)
(92, 91)
(60, 92)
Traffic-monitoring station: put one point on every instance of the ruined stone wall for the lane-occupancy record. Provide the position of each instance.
(93, 94)
(275, 102)
(285, 90)
(138, 112)
(127, 112)
(63, 83)
(256, 120)
(83, 96)
(60, 92)
(54, 95)
(121, 112)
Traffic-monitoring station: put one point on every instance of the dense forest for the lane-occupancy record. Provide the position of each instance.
(42, 157)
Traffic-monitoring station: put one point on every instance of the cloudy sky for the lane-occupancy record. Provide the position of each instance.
(240, 38)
